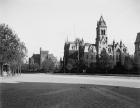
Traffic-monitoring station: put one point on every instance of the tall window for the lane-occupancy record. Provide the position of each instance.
(103, 32)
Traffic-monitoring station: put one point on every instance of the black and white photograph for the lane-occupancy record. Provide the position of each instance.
(69, 53)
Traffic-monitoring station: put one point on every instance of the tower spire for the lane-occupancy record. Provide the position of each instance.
(101, 21)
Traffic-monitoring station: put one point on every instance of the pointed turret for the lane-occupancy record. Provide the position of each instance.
(101, 22)
(137, 43)
(137, 50)
(138, 38)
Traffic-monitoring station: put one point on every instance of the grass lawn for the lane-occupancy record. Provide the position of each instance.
(52, 95)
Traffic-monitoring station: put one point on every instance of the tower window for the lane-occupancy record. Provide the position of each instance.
(103, 32)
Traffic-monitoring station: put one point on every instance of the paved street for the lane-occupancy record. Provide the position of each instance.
(69, 91)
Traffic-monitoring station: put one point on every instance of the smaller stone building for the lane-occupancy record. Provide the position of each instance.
(40, 58)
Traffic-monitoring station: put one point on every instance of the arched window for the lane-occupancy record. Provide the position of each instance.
(104, 32)
(118, 54)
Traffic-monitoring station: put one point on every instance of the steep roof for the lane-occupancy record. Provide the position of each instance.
(44, 52)
(101, 19)
(101, 22)
(138, 37)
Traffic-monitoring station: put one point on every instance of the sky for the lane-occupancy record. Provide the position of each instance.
(48, 23)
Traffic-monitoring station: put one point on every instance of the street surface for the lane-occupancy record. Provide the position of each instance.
(69, 91)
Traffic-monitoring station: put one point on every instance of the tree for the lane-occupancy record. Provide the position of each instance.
(128, 63)
(12, 50)
(105, 61)
(34, 67)
(48, 65)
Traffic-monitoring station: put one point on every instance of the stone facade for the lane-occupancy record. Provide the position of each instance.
(40, 58)
(137, 51)
(90, 53)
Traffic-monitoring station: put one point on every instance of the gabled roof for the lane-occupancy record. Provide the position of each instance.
(101, 18)
(138, 37)
(44, 52)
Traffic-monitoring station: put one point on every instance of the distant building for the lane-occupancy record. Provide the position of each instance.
(44, 55)
(137, 51)
(90, 53)
(40, 58)
(35, 59)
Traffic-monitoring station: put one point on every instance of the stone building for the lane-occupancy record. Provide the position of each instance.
(137, 51)
(40, 58)
(91, 53)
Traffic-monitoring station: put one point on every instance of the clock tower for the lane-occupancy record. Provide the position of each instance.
(101, 36)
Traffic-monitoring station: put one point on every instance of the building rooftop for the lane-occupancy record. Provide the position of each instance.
(138, 37)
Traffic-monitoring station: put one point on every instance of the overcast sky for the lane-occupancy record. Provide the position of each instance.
(48, 23)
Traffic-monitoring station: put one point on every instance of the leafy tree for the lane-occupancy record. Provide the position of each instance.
(25, 67)
(105, 61)
(71, 64)
(48, 65)
(128, 63)
(34, 67)
(12, 50)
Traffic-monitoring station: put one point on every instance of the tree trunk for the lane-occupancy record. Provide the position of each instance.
(20, 69)
(1, 69)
